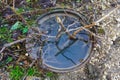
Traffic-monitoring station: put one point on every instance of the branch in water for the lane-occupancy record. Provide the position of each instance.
(63, 29)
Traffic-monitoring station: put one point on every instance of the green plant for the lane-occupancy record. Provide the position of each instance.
(32, 71)
(19, 25)
(78, 0)
(20, 10)
(27, 0)
(5, 34)
(6, 61)
(16, 73)
(49, 74)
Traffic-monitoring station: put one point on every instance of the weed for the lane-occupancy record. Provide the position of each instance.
(16, 73)
(6, 61)
(20, 10)
(5, 34)
(32, 71)
(19, 25)
(78, 0)
(49, 74)
(28, 1)
(9, 59)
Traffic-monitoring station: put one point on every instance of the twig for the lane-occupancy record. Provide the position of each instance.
(9, 44)
(20, 40)
(1, 56)
(31, 12)
(33, 62)
(93, 34)
(72, 24)
(12, 43)
(95, 23)
(13, 4)
(2, 49)
(62, 29)
(81, 28)
(101, 19)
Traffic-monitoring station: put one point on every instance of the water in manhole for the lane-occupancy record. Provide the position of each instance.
(58, 51)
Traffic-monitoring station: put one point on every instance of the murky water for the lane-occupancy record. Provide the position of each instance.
(58, 51)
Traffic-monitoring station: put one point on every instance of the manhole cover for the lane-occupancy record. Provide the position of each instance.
(58, 51)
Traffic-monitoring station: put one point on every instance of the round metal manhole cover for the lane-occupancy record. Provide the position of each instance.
(57, 50)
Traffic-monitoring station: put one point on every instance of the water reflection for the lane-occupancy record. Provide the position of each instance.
(62, 52)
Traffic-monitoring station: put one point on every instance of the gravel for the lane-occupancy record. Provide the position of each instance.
(105, 63)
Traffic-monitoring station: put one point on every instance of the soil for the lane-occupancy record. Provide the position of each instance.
(105, 62)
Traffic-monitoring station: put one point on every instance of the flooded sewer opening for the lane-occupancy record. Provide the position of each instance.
(58, 51)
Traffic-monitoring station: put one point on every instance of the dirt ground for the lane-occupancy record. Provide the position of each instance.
(105, 62)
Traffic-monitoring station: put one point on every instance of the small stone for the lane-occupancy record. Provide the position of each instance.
(118, 25)
(21, 63)
(118, 19)
(32, 78)
(90, 68)
(26, 54)
(47, 78)
(63, 77)
(94, 49)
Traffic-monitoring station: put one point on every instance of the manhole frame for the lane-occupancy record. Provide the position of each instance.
(81, 16)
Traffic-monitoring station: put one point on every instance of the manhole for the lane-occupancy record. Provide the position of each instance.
(58, 51)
